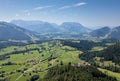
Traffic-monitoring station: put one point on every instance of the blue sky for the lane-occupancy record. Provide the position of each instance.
(87, 12)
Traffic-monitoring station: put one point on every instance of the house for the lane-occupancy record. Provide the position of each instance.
(81, 64)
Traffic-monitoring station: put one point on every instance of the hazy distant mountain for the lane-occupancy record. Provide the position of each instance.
(37, 26)
(24, 24)
(115, 33)
(68, 28)
(107, 32)
(10, 31)
(73, 27)
(45, 27)
(100, 32)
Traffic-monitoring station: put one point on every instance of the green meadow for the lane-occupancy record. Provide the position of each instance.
(29, 63)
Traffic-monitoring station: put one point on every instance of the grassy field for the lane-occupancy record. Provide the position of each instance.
(97, 48)
(35, 62)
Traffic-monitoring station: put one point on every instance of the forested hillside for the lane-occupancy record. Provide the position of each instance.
(73, 73)
(108, 58)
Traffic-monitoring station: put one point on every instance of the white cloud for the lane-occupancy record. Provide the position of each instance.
(65, 7)
(42, 7)
(38, 8)
(74, 5)
(79, 4)
(27, 12)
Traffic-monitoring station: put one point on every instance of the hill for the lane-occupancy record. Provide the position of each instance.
(12, 32)
(115, 33)
(73, 27)
(100, 32)
(72, 73)
(106, 32)
(108, 58)
(112, 53)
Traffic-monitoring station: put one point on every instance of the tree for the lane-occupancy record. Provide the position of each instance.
(61, 62)
(34, 78)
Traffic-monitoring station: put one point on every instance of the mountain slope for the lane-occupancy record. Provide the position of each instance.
(10, 31)
(43, 28)
(115, 33)
(24, 24)
(100, 32)
(73, 27)
(107, 32)
(37, 26)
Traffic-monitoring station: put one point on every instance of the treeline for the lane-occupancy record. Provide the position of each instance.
(7, 55)
(83, 45)
(4, 44)
(73, 73)
(8, 43)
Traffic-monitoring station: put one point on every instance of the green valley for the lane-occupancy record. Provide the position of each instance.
(23, 63)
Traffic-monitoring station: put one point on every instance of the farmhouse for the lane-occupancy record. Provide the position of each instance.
(81, 64)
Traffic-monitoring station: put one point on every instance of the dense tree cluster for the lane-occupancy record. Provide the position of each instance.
(83, 45)
(72, 73)
(9, 43)
(112, 53)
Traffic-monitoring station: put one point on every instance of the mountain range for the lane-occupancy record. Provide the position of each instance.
(28, 30)
(43, 27)
(10, 31)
